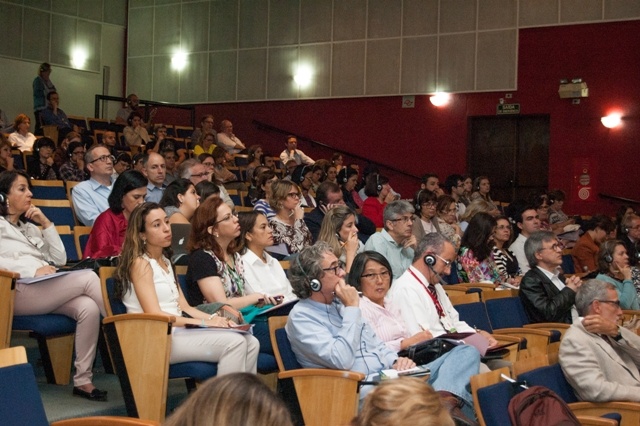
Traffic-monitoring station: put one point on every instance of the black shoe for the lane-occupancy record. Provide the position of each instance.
(95, 395)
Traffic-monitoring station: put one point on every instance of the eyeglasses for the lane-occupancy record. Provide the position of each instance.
(335, 268)
(78, 152)
(613, 302)
(200, 174)
(429, 204)
(452, 210)
(227, 217)
(104, 159)
(501, 227)
(384, 275)
(208, 164)
(555, 247)
(447, 263)
(404, 219)
(294, 195)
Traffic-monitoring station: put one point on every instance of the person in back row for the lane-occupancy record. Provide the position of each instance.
(528, 221)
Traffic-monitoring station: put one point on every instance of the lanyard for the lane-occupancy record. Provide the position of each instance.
(431, 291)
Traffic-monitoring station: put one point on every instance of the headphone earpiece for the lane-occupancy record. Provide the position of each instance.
(315, 285)
(302, 173)
(378, 186)
(430, 260)
(608, 258)
(3, 198)
(417, 205)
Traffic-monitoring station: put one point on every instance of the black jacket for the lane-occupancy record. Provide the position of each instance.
(542, 300)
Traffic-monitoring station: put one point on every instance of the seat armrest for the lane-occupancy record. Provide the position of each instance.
(321, 372)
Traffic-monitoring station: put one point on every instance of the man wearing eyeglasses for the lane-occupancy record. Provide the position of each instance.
(91, 197)
(547, 296)
(631, 237)
(599, 358)
(395, 241)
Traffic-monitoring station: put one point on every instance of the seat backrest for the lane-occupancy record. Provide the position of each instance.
(493, 402)
(113, 305)
(13, 356)
(58, 211)
(181, 273)
(20, 403)
(7, 293)
(48, 189)
(568, 267)
(553, 378)
(289, 360)
(506, 312)
(70, 246)
(80, 238)
(475, 314)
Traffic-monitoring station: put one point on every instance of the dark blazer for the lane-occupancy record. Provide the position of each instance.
(542, 300)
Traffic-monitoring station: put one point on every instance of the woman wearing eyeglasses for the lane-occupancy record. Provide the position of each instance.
(426, 205)
(475, 262)
(504, 259)
(290, 233)
(448, 221)
(206, 144)
(339, 230)
(613, 265)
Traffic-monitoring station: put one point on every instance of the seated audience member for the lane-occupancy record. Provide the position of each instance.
(207, 160)
(108, 232)
(339, 230)
(378, 193)
(482, 187)
(302, 176)
(407, 401)
(418, 297)
(263, 274)
(227, 140)
(293, 153)
(454, 186)
(326, 330)
(426, 204)
(206, 126)
(60, 154)
(289, 168)
(40, 165)
(135, 134)
(121, 164)
(237, 399)
(90, 198)
(73, 168)
(557, 218)
(348, 179)
(136, 162)
(160, 141)
(206, 189)
(473, 208)
(109, 141)
(545, 295)
(623, 211)
(6, 157)
(337, 161)
(599, 358)
(468, 189)
(180, 201)
(505, 260)
(328, 196)
(447, 219)
(614, 268)
(631, 237)
(54, 115)
(33, 252)
(146, 284)
(331, 173)
(153, 167)
(196, 172)
(132, 103)
(171, 165)
(318, 174)
(222, 174)
(254, 159)
(22, 138)
(264, 191)
(585, 252)
(528, 222)
(475, 262)
(541, 202)
(270, 162)
(395, 241)
(290, 233)
(431, 182)
(206, 143)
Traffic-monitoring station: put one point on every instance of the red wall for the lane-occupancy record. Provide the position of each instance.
(429, 139)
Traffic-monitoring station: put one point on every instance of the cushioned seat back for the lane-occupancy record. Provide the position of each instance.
(494, 402)
(117, 307)
(553, 378)
(286, 353)
(20, 403)
(45, 325)
(475, 314)
(506, 312)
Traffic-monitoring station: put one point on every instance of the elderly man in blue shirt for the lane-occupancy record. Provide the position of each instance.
(91, 197)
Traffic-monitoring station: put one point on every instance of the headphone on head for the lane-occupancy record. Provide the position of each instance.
(345, 175)
(378, 186)
(417, 204)
(301, 178)
(608, 258)
(3, 198)
(315, 285)
(430, 260)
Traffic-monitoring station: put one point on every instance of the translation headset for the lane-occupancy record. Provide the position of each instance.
(3, 198)
(608, 258)
(378, 186)
(315, 285)
(417, 205)
(301, 179)
(430, 261)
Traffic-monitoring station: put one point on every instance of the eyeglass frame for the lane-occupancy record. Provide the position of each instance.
(384, 275)
(340, 265)
(104, 159)
(404, 219)
(227, 217)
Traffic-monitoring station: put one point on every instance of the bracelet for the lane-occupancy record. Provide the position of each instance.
(213, 315)
(202, 324)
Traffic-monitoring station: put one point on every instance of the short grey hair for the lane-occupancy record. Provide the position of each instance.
(88, 156)
(432, 242)
(184, 170)
(306, 266)
(534, 244)
(395, 209)
(589, 291)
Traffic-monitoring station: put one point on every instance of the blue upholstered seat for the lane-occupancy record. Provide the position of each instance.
(20, 403)
(46, 325)
(508, 312)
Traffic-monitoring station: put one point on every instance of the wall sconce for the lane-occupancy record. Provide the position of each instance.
(440, 98)
(611, 121)
(179, 60)
(303, 76)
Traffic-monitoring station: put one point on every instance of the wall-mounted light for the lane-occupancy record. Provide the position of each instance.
(303, 76)
(78, 57)
(440, 99)
(612, 120)
(179, 60)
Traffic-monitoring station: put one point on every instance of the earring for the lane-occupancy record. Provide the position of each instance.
(144, 242)
(215, 234)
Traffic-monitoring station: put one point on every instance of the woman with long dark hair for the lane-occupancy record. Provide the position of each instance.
(475, 262)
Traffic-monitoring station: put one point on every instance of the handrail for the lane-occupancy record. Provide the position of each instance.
(616, 198)
(144, 102)
(264, 126)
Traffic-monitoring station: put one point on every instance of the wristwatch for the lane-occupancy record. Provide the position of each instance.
(618, 336)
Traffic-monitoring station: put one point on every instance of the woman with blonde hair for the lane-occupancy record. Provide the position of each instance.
(206, 143)
(146, 283)
(290, 232)
(476, 206)
(339, 230)
(22, 138)
(407, 401)
(237, 399)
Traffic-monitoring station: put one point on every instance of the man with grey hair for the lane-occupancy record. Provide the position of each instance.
(91, 197)
(547, 296)
(395, 241)
(599, 358)
(227, 140)
(326, 330)
(154, 169)
(196, 172)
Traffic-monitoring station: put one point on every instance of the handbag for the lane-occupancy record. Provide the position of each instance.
(427, 351)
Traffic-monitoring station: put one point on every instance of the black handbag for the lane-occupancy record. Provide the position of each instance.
(427, 351)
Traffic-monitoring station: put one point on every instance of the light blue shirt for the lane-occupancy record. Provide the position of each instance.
(626, 291)
(399, 257)
(154, 193)
(90, 198)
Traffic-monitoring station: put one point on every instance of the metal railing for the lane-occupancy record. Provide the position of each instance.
(101, 104)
